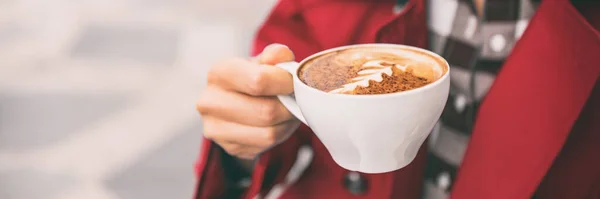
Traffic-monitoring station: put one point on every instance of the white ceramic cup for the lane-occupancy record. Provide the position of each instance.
(370, 133)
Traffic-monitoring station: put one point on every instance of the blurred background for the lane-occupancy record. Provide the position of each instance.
(97, 96)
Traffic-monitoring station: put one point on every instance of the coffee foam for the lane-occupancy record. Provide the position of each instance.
(371, 71)
(374, 62)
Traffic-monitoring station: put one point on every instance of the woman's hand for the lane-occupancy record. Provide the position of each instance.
(239, 107)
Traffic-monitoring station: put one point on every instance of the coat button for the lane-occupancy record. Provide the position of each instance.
(460, 103)
(355, 183)
(497, 43)
(443, 180)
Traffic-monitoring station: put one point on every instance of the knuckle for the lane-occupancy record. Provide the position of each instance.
(270, 136)
(209, 135)
(213, 74)
(201, 106)
(206, 101)
(258, 83)
(234, 150)
(268, 112)
(209, 130)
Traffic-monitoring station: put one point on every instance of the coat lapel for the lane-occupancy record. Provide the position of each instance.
(532, 106)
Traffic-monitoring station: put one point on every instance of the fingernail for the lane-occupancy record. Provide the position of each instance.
(273, 46)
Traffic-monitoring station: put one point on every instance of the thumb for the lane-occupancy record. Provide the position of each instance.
(274, 54)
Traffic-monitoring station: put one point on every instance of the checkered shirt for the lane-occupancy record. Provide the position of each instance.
(475, 47)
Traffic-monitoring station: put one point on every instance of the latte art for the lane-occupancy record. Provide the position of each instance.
(370, 71)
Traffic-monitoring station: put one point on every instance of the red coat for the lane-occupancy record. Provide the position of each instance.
(537, 132)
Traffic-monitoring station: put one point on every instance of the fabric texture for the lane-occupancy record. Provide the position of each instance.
(535, 126)
(475, 46)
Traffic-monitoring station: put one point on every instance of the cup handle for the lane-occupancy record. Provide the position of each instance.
(289, 101)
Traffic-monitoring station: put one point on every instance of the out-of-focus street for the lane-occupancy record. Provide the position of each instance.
(97, 96)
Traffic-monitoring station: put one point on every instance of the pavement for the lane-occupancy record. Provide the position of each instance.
(97, 96)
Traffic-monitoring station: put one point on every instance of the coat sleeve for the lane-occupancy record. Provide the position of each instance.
(283, 26)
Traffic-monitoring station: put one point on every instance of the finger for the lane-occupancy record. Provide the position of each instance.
(243, 109)
(261, 137)
(275, 53)
(250, 78)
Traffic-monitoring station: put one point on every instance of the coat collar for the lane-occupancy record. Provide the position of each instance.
(532, 106)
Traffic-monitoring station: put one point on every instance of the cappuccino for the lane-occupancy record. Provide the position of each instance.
(339, 94)
(371, 70)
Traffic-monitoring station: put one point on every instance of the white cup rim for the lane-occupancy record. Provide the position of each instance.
(372, 96)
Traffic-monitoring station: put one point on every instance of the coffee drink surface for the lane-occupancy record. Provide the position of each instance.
(371, 70)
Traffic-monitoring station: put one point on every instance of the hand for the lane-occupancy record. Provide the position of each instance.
(239, 107)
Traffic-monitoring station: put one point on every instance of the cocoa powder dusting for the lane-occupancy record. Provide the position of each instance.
(398, 81)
